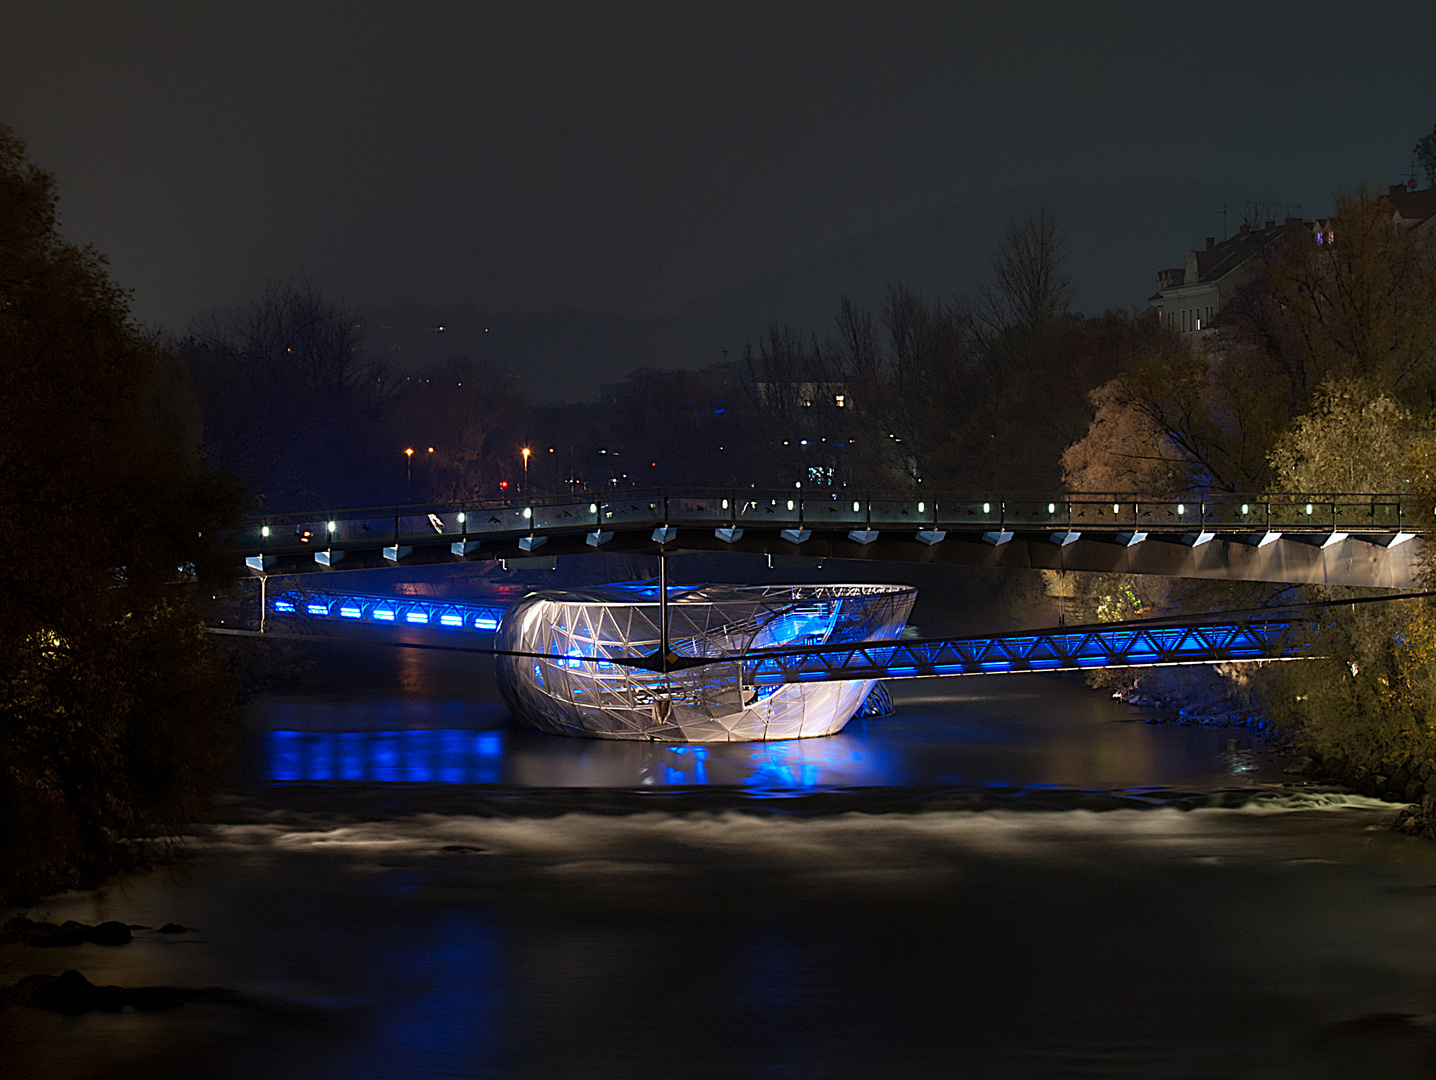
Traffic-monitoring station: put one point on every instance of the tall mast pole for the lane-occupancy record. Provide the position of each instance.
(663, 608)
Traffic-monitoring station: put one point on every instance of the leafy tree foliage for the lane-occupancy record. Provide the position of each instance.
(111, 704)
(1353, 438)
(1371, 698)
(1322, 380)
(1359, 305)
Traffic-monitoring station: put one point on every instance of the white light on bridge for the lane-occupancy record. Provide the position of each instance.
(1051, 508)
(528, 512)
(987, 508)
(855, 508)
(922, 508)
(264, 531)
(333, 525)
(1244, 508)
(1308, 509)
(593, 507)
(1181, 509)
(462, 517)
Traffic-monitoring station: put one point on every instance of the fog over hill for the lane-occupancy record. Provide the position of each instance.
(1117, 238)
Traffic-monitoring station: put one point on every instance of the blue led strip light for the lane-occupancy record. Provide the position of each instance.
(396, 610)
(1058, 650)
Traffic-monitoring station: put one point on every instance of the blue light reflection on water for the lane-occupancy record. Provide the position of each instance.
(386, 757)
(467, 756)
(1012, 733)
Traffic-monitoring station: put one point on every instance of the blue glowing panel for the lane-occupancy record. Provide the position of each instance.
(419, 618)
(383, 615)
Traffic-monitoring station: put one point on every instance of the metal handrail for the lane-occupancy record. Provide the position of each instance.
(1064, 510)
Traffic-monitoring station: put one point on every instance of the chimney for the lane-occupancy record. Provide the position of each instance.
(1211, 242)
(1397, 189)
(1270, 225)
(1245, 229)
(1293, 222)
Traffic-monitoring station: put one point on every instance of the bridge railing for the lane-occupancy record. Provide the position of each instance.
(823, 509)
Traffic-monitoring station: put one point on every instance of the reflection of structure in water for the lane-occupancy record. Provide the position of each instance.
(574, 688)
(466, 756)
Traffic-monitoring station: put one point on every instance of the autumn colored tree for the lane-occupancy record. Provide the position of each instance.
(1352, 439)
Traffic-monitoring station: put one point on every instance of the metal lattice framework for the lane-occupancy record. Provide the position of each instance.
(1051, 650)
(563, 659)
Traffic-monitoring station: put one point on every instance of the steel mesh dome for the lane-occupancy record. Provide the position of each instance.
(573, 688)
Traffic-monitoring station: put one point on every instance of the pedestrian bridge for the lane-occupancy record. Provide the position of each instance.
(1357, 540)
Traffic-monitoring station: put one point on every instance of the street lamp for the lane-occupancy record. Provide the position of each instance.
(409, 469)
(526, 452)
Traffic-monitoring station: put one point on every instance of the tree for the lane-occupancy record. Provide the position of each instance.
(474, 419)
(290, 398)
(1124, 450)
(1425, 151)
(112, 707)
(1353, 439)
(1361, 304)
(1028, 290)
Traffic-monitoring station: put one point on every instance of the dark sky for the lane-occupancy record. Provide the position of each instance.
(639, 159)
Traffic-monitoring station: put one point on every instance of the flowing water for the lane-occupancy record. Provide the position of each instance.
(1008, 877)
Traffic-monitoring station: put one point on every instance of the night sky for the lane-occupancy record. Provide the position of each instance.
(674, 176)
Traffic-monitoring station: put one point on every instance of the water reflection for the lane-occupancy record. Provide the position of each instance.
(466, 756)
(1008, 733)
(386, 757)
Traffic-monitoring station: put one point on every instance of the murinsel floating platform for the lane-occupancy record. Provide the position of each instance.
(570, 684)
(759, 663)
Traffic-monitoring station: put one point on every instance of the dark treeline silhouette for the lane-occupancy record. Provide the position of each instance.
(114, 710)
(979, 393)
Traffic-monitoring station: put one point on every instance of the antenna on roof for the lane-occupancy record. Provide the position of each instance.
(1224, 220)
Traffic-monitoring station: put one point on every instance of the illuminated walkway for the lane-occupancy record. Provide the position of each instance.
(1365, 540)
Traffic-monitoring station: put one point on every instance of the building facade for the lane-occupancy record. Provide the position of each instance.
(1191, 297)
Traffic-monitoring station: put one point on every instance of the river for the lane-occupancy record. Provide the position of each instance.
(1010, 876)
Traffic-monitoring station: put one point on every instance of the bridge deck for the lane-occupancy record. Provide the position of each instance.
(1327, 539)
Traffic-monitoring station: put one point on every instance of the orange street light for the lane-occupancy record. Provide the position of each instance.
(526, 452)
